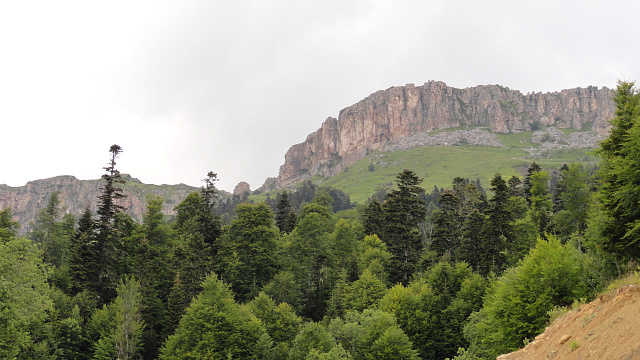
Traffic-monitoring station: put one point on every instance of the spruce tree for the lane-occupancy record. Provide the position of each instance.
(284, 209)
(404, 211)
(107, 236)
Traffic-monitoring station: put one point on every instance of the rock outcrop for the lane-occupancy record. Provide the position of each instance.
(26, 201)
(242, 188)
(398, 112)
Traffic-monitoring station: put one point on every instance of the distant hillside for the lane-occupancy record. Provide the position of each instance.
(474, 154)
(26, 201)
(389, 117)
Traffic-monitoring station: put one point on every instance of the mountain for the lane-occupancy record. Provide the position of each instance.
(388, 116)
(26, 201)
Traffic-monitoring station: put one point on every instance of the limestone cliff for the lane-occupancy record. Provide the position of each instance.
(26, 201)
(389, 115)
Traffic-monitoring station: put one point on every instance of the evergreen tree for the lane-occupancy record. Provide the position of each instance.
(248, 250)
(526, 185)
(82, 255)
(541, 205)
(620, 192)
(497, 230)
(284, 212)
(108, 246)
(404, 210)
(8, 227)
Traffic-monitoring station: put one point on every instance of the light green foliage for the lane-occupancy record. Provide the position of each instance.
(313, 336)
(281, 322)
(364, 292)
(24, 300)
(432, 309)
(517, 304)
(336, 353)
(214, 327)
(375, 257)
(371, 334)
(128, 332)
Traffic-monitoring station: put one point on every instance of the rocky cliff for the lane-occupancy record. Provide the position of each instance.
(26, 201)
(393, 114)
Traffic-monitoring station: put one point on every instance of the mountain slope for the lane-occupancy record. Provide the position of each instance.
(388, 116)
(26, 201)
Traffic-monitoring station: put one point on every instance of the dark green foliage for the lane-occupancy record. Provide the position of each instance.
(82, 259)
(497, 229)
(573, 201)
(309, 256)
(151, 251)
(8, 227)
(248, 250)
(620, 193)
(105, 252)
(285, 214)
(404, 211)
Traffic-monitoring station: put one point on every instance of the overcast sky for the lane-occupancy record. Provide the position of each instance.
(185, 87)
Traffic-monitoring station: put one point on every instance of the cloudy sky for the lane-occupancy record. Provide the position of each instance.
(186, 87)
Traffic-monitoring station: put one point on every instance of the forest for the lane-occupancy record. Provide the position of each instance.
(463, 273)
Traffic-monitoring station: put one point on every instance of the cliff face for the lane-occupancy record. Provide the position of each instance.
(397, 112)
(26, 201)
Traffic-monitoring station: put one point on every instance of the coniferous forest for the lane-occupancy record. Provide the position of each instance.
(464, 272)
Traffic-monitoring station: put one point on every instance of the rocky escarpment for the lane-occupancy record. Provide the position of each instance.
(390, 115)
(26, 201)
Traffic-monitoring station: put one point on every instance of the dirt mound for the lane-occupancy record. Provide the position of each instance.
(606, 328)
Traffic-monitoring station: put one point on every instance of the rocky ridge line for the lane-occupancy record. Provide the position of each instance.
(388, 116)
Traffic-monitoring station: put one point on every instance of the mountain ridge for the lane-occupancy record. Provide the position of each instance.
(398, 112)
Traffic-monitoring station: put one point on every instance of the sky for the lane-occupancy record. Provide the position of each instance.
(187, 87)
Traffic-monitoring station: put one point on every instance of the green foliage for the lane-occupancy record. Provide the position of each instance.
(8, 227)
(516, 306)
(214, 327)
(247, 251)
(313, 336)
(372, 334)
(403, 211)
(24, 300)
(432, 309)
(620, 192)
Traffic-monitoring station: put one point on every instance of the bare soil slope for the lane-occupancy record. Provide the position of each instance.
(606, 328)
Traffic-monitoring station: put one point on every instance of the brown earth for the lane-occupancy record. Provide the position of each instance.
(607, 328)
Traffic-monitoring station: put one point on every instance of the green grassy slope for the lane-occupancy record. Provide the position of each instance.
(438, 165)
